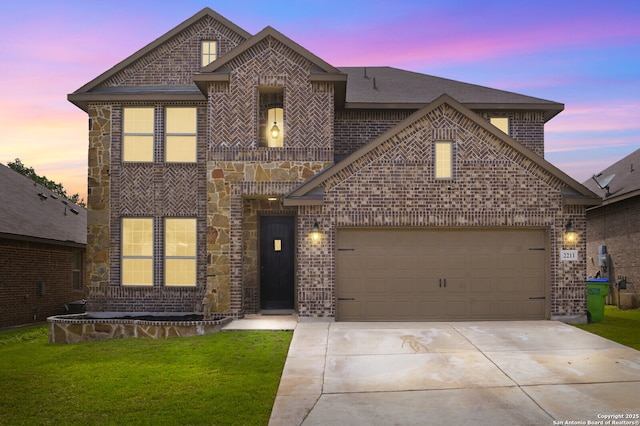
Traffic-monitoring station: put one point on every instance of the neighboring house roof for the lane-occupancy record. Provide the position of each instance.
(387, 87)
(310, 192)
(625, 184)
(31, 211)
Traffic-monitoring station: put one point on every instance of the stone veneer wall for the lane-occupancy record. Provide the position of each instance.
(238, 170)
(98, 196)
(156, 190)
(152, 189)
(76, 329)
(493, 186)
(233, 191)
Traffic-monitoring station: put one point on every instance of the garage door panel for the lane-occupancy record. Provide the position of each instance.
(534, 308)
(398, 274)
(533, 285)
(481, 309)
(481, 285)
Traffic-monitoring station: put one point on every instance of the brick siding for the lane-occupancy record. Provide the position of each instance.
(393, 185)
(227, 187)
(616, 226)
(23, 267)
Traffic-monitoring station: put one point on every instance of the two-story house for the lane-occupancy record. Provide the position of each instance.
(232, 173)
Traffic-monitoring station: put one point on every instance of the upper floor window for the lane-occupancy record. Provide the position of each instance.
(271, 117)
(444, 160)
(209, 52)
(180, 251)
(137, 134)
(501, 123)
(137, 251)
(180, 142)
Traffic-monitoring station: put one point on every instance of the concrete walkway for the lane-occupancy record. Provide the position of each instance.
(477, 373)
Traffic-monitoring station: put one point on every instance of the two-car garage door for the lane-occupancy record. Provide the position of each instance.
(408, 274)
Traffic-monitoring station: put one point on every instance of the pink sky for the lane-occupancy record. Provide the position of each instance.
(579, 53)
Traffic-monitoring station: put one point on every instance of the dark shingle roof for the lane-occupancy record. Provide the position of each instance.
(404, 89)
(25, 213)
(626, 182)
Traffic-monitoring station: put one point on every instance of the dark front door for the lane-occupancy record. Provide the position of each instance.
(277, 242)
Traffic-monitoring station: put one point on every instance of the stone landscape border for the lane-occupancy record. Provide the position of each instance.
(85, 328)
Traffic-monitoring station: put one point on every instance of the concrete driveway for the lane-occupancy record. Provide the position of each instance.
(476, 373)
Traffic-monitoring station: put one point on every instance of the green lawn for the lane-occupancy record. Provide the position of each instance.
(622, 326)
(228, 378)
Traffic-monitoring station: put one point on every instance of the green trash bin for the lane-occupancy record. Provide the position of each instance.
(597, 291)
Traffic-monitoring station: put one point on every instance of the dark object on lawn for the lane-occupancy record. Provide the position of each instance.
(76, 307)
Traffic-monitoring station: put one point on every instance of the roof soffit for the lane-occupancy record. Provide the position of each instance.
(586, 196)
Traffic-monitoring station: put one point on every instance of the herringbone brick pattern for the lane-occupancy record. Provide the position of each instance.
(308, 108)
(136, 189)
(180, 191)
(393, 185)
(175, 61)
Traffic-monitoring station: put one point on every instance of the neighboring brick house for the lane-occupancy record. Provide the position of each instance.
(42, 248)
(616, 225)
(215, 154)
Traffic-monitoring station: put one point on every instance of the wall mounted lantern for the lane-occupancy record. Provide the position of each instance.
(570, 234)
(315, 233)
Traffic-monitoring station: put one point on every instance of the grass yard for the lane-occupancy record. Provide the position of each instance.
(622, 326)
(228, 378)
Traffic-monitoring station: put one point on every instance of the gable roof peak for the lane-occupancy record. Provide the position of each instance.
(205, 12)
(303, 194)
(269, 31)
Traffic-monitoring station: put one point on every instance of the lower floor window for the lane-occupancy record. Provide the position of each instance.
(137, 251)
(179, 254)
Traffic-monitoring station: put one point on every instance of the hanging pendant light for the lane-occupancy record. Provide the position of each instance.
(275, 131)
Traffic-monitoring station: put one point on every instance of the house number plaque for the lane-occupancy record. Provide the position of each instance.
(569, 255)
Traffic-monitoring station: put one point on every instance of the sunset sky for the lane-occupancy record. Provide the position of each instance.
(583, 53)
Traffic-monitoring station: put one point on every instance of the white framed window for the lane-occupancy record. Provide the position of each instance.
(501, 123)
(137, 134)
(181, 136)
(443, 159)
(180, 251)
(137, 251)
(209, 51)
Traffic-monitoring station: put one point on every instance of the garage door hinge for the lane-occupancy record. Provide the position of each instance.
(537, 248)
(537, 298)
(346, 298)
(346, 249)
